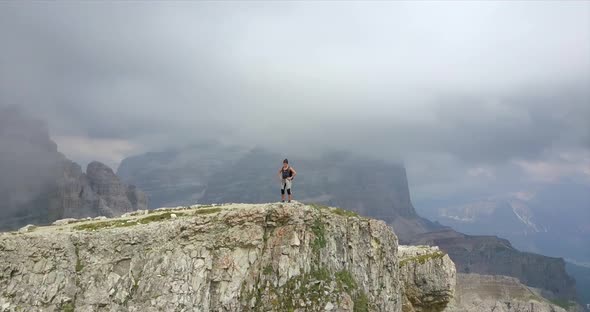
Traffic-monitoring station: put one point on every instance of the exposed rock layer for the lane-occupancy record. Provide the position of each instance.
(226, 258)
(428, 278)
(205, 173)
(239, 257)
(486, 293)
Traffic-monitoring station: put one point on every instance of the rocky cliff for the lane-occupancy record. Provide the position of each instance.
(428, 278)
(487, 293)
(490, 255)
(268, 257)
(206, 173)
(39, 185)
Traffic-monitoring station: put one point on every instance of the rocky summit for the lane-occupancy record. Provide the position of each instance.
(237, 257)
(233, 257)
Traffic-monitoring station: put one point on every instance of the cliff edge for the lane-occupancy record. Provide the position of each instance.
(239, 257)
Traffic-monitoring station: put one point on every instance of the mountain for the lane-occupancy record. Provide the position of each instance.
(40, 185)
(490, 255)
(238, 257)
(554, 220)
(370, 187)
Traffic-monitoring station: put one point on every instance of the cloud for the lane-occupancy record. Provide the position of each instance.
(524, 195)
(86, 149)
(435, 84)
(565, 165)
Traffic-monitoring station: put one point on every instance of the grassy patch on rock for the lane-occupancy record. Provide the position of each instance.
(118, 223)
(319, 206)
(94, 226)
(204, 211)
(337, 211)
(68, 307)
(421, 259)
(79, 265)
(344, 278)
(319, 231)
(308, 288)
(305, 292)
(361, 303)
(344, 212)
(160, 217)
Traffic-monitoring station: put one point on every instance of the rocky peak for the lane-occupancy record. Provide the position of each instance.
(39, 185)
(238, 257)
(116, 197)
(98, 172)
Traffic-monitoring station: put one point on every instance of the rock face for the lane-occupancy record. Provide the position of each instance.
(206, 173)
(239, 257)
(490, 255)
(269, 257)
(486, 293)
(39, 185)
(98, 192)
(428, 278)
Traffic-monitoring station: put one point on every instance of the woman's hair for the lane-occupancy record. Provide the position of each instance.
(286, 161)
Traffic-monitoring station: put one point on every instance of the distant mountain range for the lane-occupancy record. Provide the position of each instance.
(554, 221)
(216, 173)
(39, 185)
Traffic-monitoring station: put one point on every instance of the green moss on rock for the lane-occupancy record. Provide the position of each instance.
(421, 259)
(344, 213)
(319, 231)
(68, 307)
(203, 211)
(344, 278)
(118, 223)
(361, 302)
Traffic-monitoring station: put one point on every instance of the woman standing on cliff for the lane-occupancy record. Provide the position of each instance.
(286, 174)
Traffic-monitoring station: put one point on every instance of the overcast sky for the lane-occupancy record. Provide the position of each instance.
(468, 94)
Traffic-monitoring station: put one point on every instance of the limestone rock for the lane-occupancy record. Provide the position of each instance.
(27, 228)
(428, 276)
(64, 221)
(223, 258)
(204, 173)
(496, 293)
